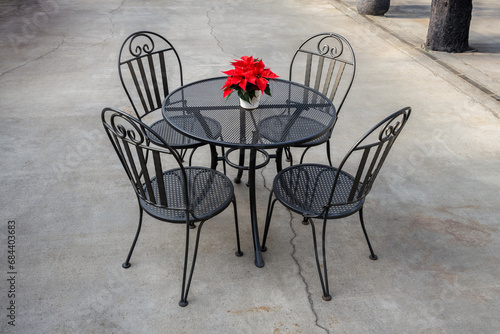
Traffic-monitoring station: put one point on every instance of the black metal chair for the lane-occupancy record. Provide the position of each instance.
(325, 62)
(182, 195)
(149, 68)
(326, 192)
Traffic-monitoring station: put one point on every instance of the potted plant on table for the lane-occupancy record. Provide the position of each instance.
(250, 78)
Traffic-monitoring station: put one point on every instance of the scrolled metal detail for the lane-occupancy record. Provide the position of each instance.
(391, 129)
(148, 46)
(119, 130)
(328, 48)
(133, 133)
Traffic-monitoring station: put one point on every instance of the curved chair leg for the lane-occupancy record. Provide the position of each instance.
(270, 207)
(305, 221)
(190, 156)
(238, 252)
(288, 155)
(223, 160)
(279, 157)
(323, 276)
(183, 152)
(185, 288)
(372, 255)
(328, 155)
(304, 153)
(127, 264)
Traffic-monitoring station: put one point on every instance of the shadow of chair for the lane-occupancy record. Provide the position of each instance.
(165, 189)
(324, 192)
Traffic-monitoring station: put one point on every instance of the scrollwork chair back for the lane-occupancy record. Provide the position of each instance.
(149, 68)
(366, 157)
(325, 62)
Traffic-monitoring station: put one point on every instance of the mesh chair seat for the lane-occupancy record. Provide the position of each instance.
(272, 128)
(307, 188)
(210, 192)
(178, 140)
(318, 141)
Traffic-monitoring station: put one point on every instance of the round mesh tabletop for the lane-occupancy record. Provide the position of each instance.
(293, 114)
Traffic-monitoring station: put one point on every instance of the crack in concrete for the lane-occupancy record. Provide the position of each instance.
(212, 31)
(264, 178)
(297, 263)
(111, 16)
(112, 28)
(309, 295)
(33, 60)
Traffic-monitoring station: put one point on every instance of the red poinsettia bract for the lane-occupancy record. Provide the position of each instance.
(248, 75)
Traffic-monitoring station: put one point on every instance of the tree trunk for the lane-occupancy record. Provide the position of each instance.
(449, 25)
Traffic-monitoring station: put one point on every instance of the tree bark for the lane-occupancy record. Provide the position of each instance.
(449, 25)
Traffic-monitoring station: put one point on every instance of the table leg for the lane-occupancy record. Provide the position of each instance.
(259, 262)
(215, 157)
(279, 156)
(241, 163)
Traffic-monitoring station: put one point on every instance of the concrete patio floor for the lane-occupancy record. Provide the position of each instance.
(432, 215)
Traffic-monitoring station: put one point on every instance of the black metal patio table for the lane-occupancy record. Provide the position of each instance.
(293, 114)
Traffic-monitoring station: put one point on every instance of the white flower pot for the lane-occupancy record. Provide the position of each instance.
(254, 103)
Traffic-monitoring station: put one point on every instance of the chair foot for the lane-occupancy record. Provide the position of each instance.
(192, 226)
(373, 257)
(126, 265)
(239, 253)
(327, 298)
(183, 303)
(305, 221)
(263, 248)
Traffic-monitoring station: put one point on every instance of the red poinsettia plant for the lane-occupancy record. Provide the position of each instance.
(249, 75)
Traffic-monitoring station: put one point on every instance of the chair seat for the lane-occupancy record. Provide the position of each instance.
(210, 192)
(306, 189)
(272, 128)
(177, 139)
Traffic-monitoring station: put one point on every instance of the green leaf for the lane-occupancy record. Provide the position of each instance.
(268, 90)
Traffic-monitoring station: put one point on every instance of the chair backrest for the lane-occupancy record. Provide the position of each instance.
(364, 160)
(325, 62)
(145, 164)
(143, 62)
